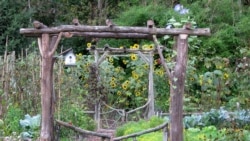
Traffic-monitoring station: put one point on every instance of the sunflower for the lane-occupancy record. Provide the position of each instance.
(133, 57)
(112, 84)
(78, 57)
(126, 82)
(111, 60)
(124, 62)
(191, 79)
(157, 72)
(118, 69)
(146, 66)
(86, 85)
(136, 46)
(113, 79)
(161, 72)
(88, 45)
(200, 81)
(151, 46)
(137, 93)
(135, 76)
(119, 93)
(156, 62)
(226, 75)
(125, 86)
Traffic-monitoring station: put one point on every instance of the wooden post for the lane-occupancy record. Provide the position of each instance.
(47, 49)
(97, 100)
(151, 108)
(177, 89)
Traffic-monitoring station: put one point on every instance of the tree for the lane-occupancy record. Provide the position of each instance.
(14, 15)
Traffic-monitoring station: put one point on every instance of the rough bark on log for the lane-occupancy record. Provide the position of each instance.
(116, 29)
(82, 131)
(39, 25)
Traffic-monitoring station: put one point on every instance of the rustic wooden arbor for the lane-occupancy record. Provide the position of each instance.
(145, 55)
(49, 38)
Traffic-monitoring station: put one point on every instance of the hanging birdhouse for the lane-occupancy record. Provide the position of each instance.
(69, 57)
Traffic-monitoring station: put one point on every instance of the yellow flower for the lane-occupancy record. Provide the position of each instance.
(161, 72)
(112, 84)
(219, 67)
(155, 62)
(137, 93)
(169, 59)
(136, 46)
(200, 81)
(119, 93)
(191, 79)
(118, 69)
(86, 85)
(124, 62)
(78, 57)
(226, 75)
(209, 81)
(113, 79)
(126, 82)
(111, 60)
(88, 45)
(135, 76)
(151, 46)
(125, 86)
(157, 72)
(201, 76)
(146, 66)
(87, 64)
(133, 57)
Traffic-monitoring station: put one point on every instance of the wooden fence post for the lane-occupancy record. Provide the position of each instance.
(177, 89)
(47, 47)
(151, 108)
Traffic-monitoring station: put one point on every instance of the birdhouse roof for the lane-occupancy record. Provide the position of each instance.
(66, 51)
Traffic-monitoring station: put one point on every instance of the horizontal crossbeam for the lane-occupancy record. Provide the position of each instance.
(113, 32)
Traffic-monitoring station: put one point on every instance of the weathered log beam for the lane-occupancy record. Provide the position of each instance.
(113, 35)
(100, 35)
(113, 50)
(82, 131)
(115, 29)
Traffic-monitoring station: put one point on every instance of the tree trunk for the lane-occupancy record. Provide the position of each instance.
(177, 91)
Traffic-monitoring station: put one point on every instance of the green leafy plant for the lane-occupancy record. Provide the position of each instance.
(132, 127)
(11, 120)
(30, 126)
(220, 118)
(73, 114)
(212, 133)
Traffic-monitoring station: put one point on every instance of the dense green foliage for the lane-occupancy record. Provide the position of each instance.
(220, 118)
(201, 133)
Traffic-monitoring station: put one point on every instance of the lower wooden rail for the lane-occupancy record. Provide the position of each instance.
(82, 131)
